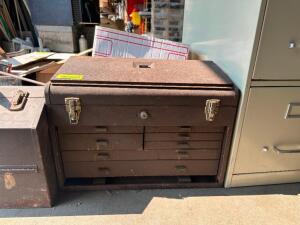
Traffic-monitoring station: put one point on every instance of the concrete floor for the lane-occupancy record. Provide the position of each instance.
(277, 204)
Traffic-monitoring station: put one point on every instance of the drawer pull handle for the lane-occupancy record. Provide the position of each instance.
(185, 129)
(101, 129)
(101, 143)
(183, 145)
(183, 154)
(287, 150)
(104, 170)
(184, 136)
(102, 156)
(181, 168)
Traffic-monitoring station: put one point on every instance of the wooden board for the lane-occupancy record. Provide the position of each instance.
(26, 59)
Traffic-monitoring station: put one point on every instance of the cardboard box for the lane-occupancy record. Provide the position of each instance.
(115, 43)
(45, 75)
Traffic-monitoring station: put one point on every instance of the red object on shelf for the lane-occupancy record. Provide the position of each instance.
(131, 4)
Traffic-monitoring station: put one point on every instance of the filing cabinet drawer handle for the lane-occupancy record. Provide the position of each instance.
(101, 129)
(291, 150)
(104, 170)
(102, 156)
(181, 168)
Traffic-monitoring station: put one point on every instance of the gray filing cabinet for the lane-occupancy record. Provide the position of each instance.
(258, 44)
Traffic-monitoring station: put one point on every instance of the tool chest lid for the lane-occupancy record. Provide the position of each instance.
(80, 71)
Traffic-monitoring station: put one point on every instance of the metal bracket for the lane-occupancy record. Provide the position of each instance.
(211, 109)
(73, 108)
(18, 168)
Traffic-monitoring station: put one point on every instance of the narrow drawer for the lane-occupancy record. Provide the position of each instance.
(178, 129)
(90, 156)
(102, 129)
(183, 136)
(182, 145)
(141, 168)
(101, 141)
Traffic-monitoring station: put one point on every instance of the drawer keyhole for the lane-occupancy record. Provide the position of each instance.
(144, 115)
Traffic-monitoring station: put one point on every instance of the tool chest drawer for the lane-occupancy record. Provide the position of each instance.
(142, 115)
(101, 129)
(182, 145)
(183, 136)
(278, 51)
(101, 141)
(141, 168)
(184, 129)
(270, 139)
(90, 156)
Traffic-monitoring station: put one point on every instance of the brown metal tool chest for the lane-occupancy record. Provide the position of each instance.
(27, 172)
(119, 123)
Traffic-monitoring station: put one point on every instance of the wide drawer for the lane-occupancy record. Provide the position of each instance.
(101, 141)
(143, 116)
(278, 52)
(182, 145)
(87, 156)
(141, 168)
(178, 129)
(183, 136)
(101, 129)
(270, 138)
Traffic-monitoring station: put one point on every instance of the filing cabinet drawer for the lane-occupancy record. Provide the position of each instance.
(270, 138)
(183, 136)
(279, 48)
(102, 129)
(101, 141)
(90, 156)
(182, 145)
(141, 168)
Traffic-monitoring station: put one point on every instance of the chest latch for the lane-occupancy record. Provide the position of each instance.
(73, 108)
(18, 101)
(211, 109)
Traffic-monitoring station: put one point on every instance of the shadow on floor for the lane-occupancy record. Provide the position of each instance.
(135, 201)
